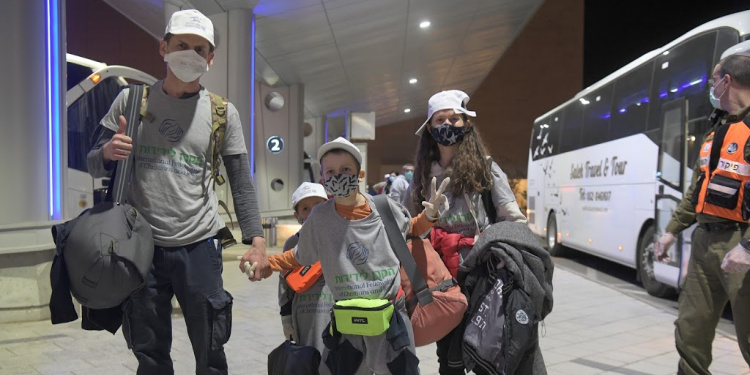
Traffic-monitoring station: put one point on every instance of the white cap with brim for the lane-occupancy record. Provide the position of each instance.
(307, 190)
(450, 99)
(343, 144)
(191, 21)
(741, 49)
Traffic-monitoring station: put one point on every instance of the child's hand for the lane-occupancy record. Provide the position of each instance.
(432, 207)
(257, 254)
(249, 269)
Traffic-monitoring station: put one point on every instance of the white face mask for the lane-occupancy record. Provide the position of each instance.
(716, 102)
(186, 65)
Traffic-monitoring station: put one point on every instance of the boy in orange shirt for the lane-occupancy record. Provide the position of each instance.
(347, 235)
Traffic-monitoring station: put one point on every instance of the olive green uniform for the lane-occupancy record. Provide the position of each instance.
(707, 288)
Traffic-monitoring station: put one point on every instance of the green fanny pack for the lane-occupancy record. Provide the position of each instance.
(364, 317)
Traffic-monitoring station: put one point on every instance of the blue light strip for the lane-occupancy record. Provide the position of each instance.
(53, 108)
(252, 97)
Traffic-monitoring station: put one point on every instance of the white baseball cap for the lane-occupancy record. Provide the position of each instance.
(450, 99)
(740, 49)
(307, 190)
(340, 143)
(191, 21)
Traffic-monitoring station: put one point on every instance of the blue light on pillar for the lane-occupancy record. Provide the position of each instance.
(252, 97)
(53, 109)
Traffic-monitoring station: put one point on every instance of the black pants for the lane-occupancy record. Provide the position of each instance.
(193, 274)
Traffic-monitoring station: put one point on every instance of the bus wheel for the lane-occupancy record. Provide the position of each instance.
(553, 245)
(646, 268)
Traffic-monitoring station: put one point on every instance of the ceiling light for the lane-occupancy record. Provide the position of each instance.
(407, 110)
(413, 81)
(424, 24)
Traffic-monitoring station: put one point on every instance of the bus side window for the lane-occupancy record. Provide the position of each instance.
(630, 103)
(696, 129)
(683, 71)
(570, 133)
(76, 73)
(83, 118)
(597, 115)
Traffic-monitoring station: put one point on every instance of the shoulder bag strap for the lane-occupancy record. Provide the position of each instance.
(396, 238)
(489, 207)
(124, 167)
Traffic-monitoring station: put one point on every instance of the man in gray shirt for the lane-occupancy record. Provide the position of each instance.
(400, 184)
(172, 188)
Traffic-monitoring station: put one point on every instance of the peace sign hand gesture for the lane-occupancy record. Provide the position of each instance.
(437, 198)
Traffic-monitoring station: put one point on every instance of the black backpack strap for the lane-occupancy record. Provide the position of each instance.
(396, 239)
(489, 208)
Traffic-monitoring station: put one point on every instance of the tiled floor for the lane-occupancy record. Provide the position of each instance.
(593, 329)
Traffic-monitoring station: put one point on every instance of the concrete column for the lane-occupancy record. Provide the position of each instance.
(25, 208)
(24, 143)
(238, 49)
(278, 173)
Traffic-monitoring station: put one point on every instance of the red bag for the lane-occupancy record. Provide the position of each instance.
(302, 278)
(436, 319)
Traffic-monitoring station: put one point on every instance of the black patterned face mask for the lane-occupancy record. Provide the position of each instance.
(341, 185)
(448, 135)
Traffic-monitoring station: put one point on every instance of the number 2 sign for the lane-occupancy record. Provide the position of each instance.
(275, 144)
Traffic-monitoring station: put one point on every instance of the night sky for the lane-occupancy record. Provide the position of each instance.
(617, 32)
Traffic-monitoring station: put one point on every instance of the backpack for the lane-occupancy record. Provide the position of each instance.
(219, 106)
(434, 300)
(292, 359)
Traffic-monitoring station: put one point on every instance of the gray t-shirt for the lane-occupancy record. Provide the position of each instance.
(355, 255)
(170, 185)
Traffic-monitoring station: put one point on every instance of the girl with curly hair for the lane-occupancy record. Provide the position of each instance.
(450, 146)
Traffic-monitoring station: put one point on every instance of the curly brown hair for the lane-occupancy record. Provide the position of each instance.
(469, 170)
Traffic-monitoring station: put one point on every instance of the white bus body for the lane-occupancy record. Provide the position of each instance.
(608, 167)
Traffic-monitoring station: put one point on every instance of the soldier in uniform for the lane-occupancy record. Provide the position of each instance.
(719, 200)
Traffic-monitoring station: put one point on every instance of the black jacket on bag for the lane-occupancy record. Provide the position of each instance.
(61, 302)
(526, 280)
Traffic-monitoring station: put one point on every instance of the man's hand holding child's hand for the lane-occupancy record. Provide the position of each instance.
(436, 199)
(258, 267)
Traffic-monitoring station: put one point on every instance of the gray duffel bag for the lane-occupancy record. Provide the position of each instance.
(108, 249)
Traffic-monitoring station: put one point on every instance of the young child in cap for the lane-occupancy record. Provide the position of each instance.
(304, 314)
(347, 235)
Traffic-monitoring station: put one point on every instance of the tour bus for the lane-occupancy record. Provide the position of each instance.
(608, 167)
(92, 86)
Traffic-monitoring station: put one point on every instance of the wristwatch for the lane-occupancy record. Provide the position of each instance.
(745, 243)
